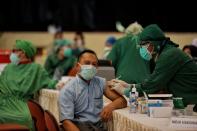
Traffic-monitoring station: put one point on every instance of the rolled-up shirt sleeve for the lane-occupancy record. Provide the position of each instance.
(66, 105)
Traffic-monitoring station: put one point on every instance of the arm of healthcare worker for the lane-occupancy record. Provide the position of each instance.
(169, 62)
(166, 67)
(118, 102)
(44, 80)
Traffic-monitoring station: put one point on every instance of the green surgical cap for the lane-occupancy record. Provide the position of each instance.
(155, 35)
(27, 47)
(62, 42)
(152, 33)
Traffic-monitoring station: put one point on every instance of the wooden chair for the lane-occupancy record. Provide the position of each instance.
(51, 122)
(37, 114)
(13, 127)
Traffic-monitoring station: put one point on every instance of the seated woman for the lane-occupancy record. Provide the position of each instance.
(18, 82)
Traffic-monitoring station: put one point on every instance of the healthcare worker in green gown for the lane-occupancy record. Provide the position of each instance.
(18, 82)
(175, 72)
(125, 57)
(61, 60)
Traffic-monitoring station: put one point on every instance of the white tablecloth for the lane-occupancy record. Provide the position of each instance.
(122, 119)
(48, 99)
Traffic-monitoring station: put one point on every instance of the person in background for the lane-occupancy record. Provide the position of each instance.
(19, 81)
(79, 43)
(108, 46)
(58, 35)
(81, 100)
(133, 28)
(191, 50)
(175, 72)
(125, 57)
(61, 60)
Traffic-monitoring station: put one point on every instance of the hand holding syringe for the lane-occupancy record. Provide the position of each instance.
(119, 86)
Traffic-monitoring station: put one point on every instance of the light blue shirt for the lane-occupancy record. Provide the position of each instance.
(79, 101)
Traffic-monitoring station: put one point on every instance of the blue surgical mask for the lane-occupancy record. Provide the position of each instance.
(145, 54)
(88, 71)
(14, 59)
(68, 52)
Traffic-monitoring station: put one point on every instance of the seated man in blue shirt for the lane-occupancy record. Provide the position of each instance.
(81, 100)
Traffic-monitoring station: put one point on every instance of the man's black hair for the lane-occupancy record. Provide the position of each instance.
(86, 51)
(185, 47)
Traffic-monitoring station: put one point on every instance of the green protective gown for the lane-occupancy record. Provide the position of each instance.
(127, 61)
(52, 63)
(18, 83)
(175, 73)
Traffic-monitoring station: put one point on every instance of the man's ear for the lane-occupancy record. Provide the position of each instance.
(74, 70)
(77, 67)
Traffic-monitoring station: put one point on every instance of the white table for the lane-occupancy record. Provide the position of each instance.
(122, 119)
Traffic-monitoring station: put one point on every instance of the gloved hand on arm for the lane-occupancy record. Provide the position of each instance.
(120, 87)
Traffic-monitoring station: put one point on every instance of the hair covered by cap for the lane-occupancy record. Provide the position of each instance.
(26, 46)
(58, 44)
(152, 33)
(62, 42)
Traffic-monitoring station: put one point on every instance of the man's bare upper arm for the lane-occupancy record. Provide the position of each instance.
(111, 94)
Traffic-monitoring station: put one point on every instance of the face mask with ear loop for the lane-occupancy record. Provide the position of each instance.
(67, 52)
(87, 71)
(14, 59)
(145, 54)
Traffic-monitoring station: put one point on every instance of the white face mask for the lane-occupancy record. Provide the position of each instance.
(14, 58)
(88, 71)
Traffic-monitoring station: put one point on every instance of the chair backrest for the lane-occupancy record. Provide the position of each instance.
(103, 62)
(50, 121)
(13, 127)
(37, 114)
